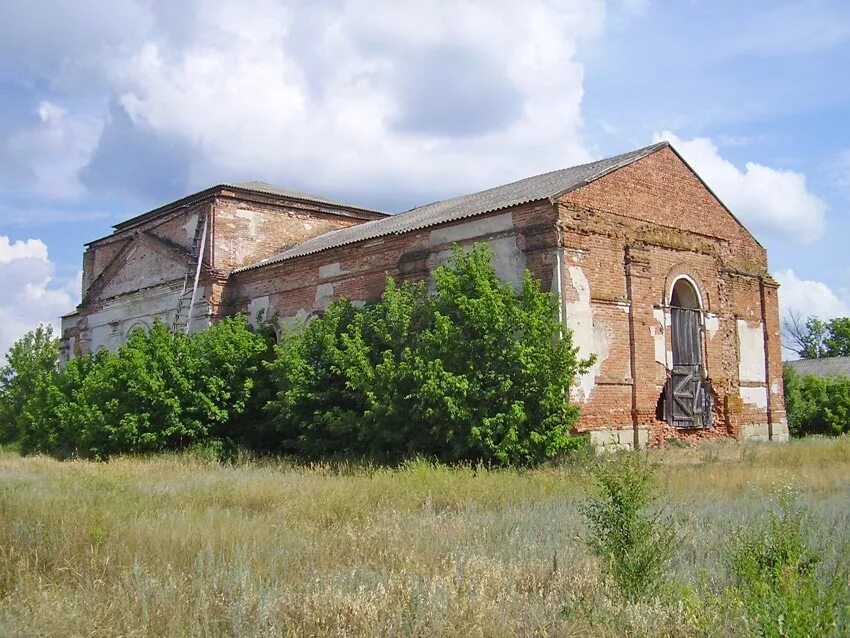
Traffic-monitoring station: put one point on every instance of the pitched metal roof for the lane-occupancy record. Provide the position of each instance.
(271, 189)
(252, 187)
(824, 367)
(531, 189)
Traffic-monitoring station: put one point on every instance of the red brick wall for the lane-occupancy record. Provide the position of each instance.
(632, 233)
(246, 231)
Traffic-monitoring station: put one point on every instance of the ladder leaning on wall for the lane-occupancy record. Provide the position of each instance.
(186, 302)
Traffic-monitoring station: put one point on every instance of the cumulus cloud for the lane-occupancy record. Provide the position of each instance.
(806, 297)
(766, 199)
(31, 292)
(49, 150)
(359, 98)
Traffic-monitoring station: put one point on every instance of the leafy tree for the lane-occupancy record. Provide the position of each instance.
(813, 338)
(32, 358)
(474, 371)
(837, 339)
(816, 405)
(158, 391)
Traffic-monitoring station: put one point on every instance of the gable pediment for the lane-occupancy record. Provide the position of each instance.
(146, 260)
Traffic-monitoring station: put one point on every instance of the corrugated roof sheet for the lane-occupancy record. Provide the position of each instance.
(825, 367)
(530, 189)
(271, 189)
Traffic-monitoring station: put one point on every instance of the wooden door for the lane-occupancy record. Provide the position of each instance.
(688, 393)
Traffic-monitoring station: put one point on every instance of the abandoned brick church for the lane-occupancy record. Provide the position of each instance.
(654, 274)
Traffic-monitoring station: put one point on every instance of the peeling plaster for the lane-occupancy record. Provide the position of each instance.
(754, 396)
(471, 230)
(508, 259)
(258, 306)
(141, 307)
(293, 322)
(712, 324)
(589, 336)
(657, 333)
(324, 295)
(751, 362)
(191, 226)
(331, 270)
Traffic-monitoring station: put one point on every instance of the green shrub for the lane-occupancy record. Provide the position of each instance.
(472, 372)
(158, 391)
(627, 532)
(777, 579)
(817, 405)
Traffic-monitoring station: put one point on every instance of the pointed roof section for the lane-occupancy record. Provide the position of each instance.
(546, 186)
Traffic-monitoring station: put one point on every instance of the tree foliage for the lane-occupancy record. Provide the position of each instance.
(473, 371)
(813, 338)
(30, 360)
(158, 391)
(816, 405)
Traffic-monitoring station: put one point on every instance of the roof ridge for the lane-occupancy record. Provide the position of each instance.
(633, 155)
(528, 189)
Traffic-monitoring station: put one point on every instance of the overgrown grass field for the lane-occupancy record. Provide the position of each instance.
(182, 546)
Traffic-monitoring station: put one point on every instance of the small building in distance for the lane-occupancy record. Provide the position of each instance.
(822, 367)
(655, 276)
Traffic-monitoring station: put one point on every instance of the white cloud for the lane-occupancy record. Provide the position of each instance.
(357, 95)
(766, 199)
(806, 297)
(31, 293)
(52, 150)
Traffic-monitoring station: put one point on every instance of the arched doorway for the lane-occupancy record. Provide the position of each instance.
(688, 394)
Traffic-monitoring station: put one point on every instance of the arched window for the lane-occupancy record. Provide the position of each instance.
(685, 317)
(688, 402)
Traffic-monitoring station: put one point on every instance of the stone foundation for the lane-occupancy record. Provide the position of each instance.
(760, 432)
(617, 439)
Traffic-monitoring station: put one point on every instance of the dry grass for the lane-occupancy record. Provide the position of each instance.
(177, 546)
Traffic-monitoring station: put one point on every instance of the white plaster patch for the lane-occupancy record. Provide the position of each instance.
(657, 333)
(508, 259)
(751, 362)
(776, 387)
(258, 310)
(470, 230)
(712, 324)
(589, 336)
(191, 226)
(292, 323)
(331, 270)
(324, 294)
(754, 396)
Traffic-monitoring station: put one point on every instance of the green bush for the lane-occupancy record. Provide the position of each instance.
(158, 391)
(627, 532)
(777, 579)
(473, 371)
(817, 405)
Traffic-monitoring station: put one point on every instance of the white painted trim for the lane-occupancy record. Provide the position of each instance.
(690, 280)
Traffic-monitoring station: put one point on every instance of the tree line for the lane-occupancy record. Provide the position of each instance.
(471, 371)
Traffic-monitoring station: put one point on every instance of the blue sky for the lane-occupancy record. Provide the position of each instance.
(111, 107)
